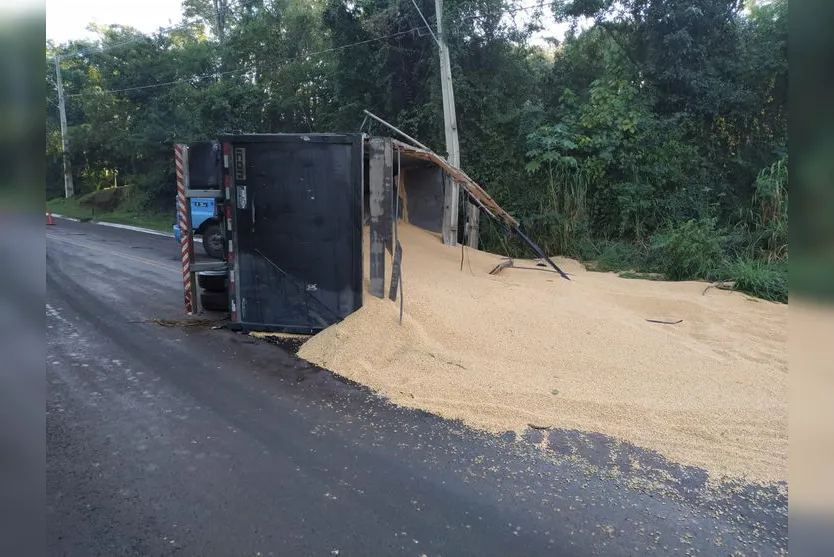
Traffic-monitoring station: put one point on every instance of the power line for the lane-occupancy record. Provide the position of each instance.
(300, 56)
(532, 6)
(184, 24)
(509, 11)
(241, 70)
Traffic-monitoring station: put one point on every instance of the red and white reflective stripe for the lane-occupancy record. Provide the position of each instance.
(230, 259)
(185, 233)
(232, 284)
(228, 206)
(227, 180)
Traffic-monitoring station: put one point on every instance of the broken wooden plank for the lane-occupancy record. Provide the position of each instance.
(402, 205)
(478, 195)
(387, 218)
(396, 265)
(501, 266)
(396, 270)
(460, 177)
(378, 208)
(451, 196)
(472, 224)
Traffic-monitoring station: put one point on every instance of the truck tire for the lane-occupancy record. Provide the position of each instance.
(213, 241)
(214, 301)
(212, 283)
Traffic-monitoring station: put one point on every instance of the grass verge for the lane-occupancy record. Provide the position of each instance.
(72, 208)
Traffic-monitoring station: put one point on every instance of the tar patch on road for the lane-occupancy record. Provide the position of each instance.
(291, 345)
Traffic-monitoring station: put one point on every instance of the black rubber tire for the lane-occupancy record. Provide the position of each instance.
(212, 283)
(214, 301)
(213, 241)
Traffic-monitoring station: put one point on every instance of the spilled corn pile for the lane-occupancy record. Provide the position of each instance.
(524, 347)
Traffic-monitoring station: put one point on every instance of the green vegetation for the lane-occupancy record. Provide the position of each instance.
(764, 279)
(653, 140)
(143, 217)
(689, 250)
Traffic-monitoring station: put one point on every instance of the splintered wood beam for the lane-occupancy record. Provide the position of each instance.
(386, 220)
(451, 193)
(396, 271)
(381, 180)
(479, 196)
(472, 188)
(402, 196)
(501, 266)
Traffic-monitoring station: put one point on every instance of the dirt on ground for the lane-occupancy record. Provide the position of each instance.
(525, 348)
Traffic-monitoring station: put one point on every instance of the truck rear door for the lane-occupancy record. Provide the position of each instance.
(296, 229)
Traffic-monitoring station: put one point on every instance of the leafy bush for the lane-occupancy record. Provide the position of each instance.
(618, 256)
(585, 248)
(691, 250)
(138, 200)
(95, 179)
(104, 200)
(763, 279)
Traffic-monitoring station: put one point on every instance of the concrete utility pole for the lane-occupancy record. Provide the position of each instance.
(69, 188)
(450, 124)
(450, 207)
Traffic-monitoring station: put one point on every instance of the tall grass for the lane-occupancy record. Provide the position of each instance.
(760, 278)
(562, 218)
(767, 220)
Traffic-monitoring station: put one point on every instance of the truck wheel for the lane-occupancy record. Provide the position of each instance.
(212, 283)
(213, 241)
(214, 301)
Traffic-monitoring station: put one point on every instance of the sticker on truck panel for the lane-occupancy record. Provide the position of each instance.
(241, 197)
(240, 163)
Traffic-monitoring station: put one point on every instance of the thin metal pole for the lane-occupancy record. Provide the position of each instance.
(399, 131)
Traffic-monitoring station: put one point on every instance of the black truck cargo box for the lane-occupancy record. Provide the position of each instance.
(295, 229)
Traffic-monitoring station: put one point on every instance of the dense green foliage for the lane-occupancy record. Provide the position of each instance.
(652, 138)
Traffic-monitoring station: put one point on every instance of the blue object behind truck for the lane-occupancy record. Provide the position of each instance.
(206, 223)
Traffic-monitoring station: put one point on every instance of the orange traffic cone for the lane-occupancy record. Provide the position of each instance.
(49, 218)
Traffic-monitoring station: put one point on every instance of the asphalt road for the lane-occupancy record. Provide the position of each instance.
(170, 440)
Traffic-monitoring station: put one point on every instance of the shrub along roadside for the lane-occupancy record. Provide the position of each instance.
(760, 278)
(104, 200)
(757, 277)
(696, 250)
(691, 250)
(750, 253)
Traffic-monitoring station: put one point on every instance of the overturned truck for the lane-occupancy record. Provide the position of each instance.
(293, 207)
